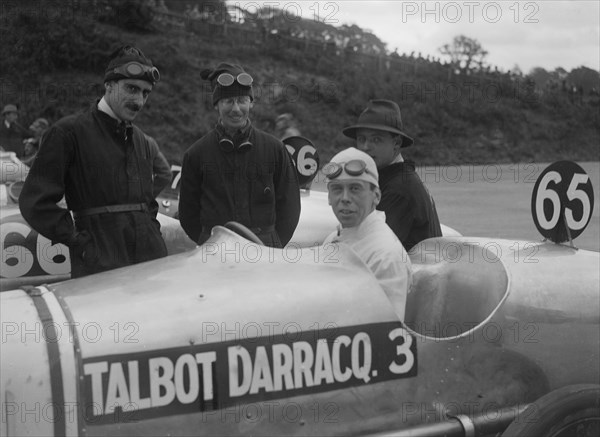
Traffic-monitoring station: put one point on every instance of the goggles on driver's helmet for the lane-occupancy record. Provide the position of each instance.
(227, 79)
(355, 167)
(135, 70)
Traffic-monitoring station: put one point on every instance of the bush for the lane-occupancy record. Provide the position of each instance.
(129, 14)
(36, 46)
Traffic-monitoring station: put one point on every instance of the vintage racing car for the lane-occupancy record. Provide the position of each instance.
(29, 258)
(235, 338)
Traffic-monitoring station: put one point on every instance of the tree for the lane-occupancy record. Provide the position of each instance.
(516, 70)
(560, 73)
(128, 14)
(364, 40)
(203, 6)
(542, 78)
(464, 52)
(584, 78)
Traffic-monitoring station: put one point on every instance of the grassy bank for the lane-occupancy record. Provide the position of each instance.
(53, 67)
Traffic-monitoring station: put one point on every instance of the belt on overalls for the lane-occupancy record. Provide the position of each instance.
(257, 230)
(126, 207)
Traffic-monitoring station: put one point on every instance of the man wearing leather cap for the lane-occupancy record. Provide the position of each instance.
(12, 133)
(409, 208)
(353, 187)
(237, 172)
(108, 172)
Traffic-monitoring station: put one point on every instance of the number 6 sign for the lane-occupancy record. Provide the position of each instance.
(562, 201)
(305, 156)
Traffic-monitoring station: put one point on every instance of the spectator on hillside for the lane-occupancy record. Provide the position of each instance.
(12, 133)
(409, 208)
(32, 144)
(103, 165)
(237, 172)
(286, 126)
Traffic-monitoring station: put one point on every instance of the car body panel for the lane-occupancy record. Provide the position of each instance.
(235, 338)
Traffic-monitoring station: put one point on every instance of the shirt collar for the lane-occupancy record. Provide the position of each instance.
(374, 217)
(105, 107)
(397, 159)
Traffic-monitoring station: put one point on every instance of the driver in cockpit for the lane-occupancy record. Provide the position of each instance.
(352, 183)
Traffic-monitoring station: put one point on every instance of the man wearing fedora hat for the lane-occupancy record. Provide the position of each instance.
(409, 208)
(237, 172)
(12, 133)
(353, 193)
(104, 166)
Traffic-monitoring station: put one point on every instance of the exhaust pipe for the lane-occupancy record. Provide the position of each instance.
(462, 425)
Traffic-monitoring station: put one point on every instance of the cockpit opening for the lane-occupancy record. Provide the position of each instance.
(456, 287)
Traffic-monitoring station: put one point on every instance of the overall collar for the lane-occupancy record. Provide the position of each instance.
(123, 129)
(239, 133)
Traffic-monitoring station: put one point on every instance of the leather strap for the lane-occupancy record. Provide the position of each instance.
(127, 207)
(257, 230)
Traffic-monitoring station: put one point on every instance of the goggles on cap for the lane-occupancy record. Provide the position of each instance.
(227, 79)
(356, 167)
(135, 70)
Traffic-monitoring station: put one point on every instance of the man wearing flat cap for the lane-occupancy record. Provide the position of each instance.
(12, 133)
(237, 172)
(353, 187)
(106, 169)
(409, 208)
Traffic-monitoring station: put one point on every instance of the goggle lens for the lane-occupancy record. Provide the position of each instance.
(136, 70)
(356, 167)
(227, 79)
(332, 170)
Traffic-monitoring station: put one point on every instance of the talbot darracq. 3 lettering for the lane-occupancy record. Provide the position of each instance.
(218, 375)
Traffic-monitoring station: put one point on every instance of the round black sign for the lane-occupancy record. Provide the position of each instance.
(562, 201)
(305, 157)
